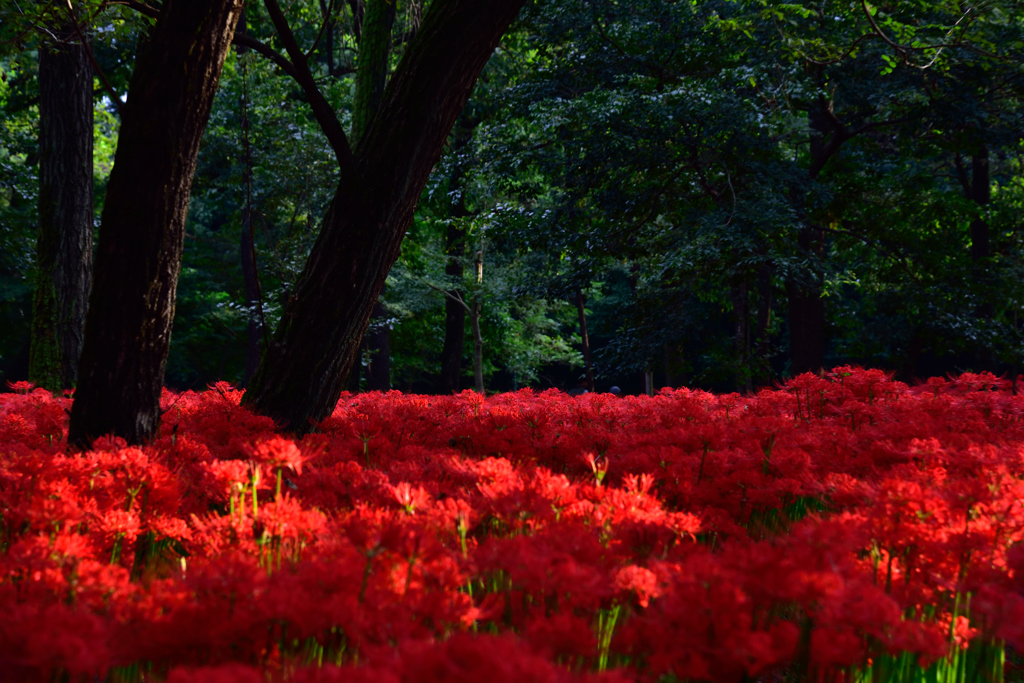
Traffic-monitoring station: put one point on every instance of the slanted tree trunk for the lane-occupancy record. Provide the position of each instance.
(247, 253)
(977, 186)
(128, 328)
(378, 341)
(64, 246)
(301, 377)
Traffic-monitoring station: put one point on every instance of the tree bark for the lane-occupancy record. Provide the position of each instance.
(301, 377)
(128, 328)
(64, 246)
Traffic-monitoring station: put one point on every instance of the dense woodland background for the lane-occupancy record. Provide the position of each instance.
(730, 191)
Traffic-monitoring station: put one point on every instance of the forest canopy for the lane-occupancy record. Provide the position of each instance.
(649, 193)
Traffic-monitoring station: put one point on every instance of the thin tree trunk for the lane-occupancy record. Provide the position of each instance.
(64, 246)
(128, 328)
(300, 378)
(478, 345)
(252, 297)
(741, 336)
(378, 341)
(454, 311)
(371, 77)
(588, 366)
(981, 250)
(806, 307)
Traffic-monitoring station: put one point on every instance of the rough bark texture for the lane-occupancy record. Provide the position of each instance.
(372, 63)
(64, 247)
(128, 328)
(371, 76)
(302, 375)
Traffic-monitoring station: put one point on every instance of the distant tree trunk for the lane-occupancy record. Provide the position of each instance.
(378, 341)
(764, 311)
(252, 297)
(302, 375)
(247, 243)
(741, 335)
(64, 246)
(977, 186)
(806, 306)
(454, 311)
(981, 250)
(588, 366)
(478, 345)
(128, 328)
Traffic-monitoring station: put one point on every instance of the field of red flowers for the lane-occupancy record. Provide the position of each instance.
(837, 528)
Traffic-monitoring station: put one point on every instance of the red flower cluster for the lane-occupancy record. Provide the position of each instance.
(813, 530)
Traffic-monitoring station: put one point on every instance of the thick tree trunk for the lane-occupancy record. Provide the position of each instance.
(585, 339)
(128, 328)
(64, 247)
(302, 375)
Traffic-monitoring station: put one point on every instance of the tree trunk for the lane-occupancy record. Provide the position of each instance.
(806, 306)
(64, 247)
(454, 311)
(301, 377)
(741, 336)
(478, 345)
(806, 314)
(247, 253)
(764, 311)
(588, 366)
(378, 341)
(128, 328)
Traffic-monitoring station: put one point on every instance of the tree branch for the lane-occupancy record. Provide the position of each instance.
(322, 110)
(454, 297)
(276, 57)
(115, 100)
(323, 27)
